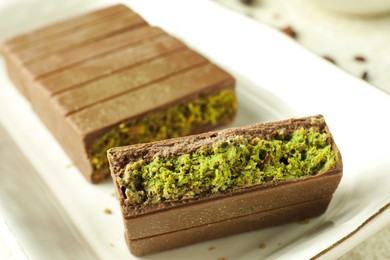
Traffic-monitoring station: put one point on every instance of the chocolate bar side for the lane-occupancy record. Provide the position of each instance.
(62, 26)
(148, 46)
(236, 204)
(92, 73)
(28, 39)
(78, 36)
(274, 217)
(141, 76)
(58, 62)
(18, 57)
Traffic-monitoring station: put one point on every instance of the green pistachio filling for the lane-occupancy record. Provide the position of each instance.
(179, 120)
(228, 164)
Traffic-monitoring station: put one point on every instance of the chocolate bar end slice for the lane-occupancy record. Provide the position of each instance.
(272, 166)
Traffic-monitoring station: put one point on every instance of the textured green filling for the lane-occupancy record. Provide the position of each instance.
(228, 164)
(176, 121)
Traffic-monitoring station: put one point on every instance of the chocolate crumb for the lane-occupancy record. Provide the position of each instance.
(107, 211)
(360, 58)
(290, 32)
(364, 75)
(262, 246)
(304, 221)
(211, 248)
(330, 59)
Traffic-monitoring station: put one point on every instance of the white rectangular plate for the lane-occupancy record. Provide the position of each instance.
(276, 79)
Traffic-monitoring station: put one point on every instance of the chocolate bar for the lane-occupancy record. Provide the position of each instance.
(109, 79)
(186, 190)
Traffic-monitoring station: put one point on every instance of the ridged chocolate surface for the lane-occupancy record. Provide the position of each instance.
(62, 27)
(88, 74)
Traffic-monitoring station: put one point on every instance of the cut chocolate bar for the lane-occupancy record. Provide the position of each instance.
(109, 79)
(184, 190)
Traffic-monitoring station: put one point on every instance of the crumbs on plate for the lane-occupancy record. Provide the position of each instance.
(107, 211)
(360, 58)
(290, 32)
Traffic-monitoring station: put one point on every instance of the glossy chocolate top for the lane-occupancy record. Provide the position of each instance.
(109, 66)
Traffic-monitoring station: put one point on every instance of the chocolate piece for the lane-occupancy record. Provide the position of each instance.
(160, 222)
(360, 58)
(329, 58)
(290, 32)
(109, 79)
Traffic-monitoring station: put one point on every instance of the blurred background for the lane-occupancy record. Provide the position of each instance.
(353, 34)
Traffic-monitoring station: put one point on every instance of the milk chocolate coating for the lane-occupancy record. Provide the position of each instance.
(86, 75)
(146, 224)
(35, 47)
(263, 219)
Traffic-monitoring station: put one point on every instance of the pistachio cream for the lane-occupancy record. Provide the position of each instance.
(179, 120)
(227, 164)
